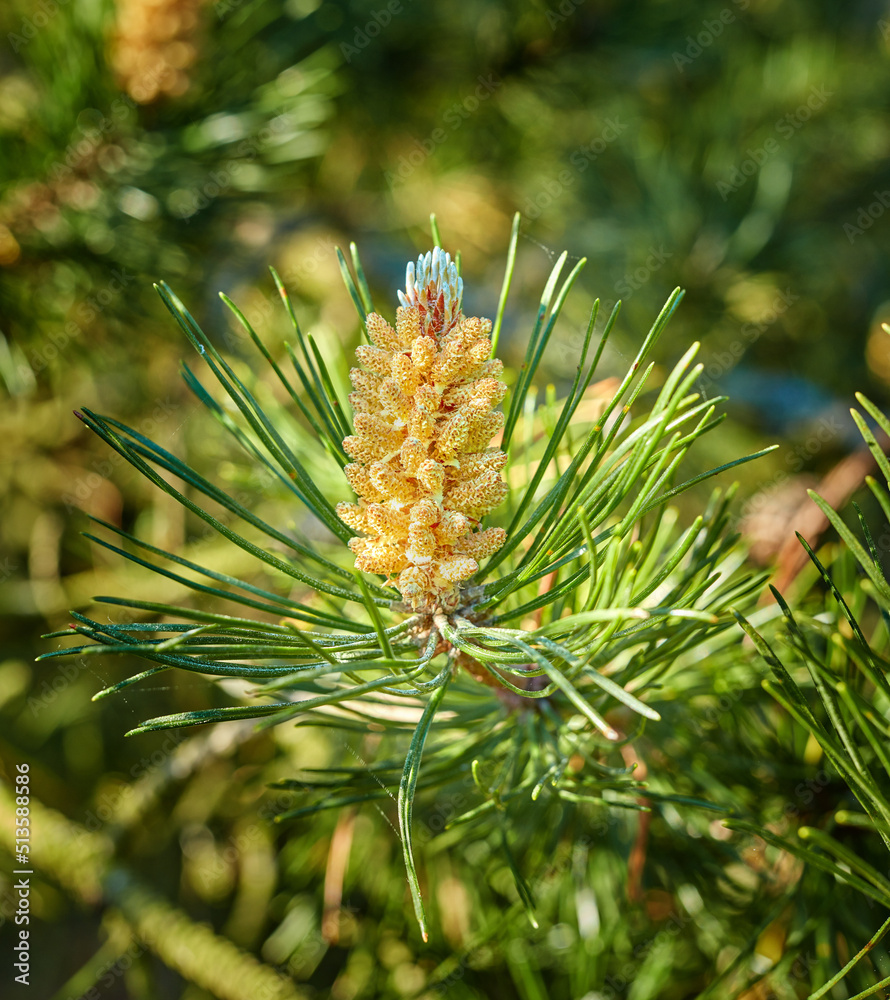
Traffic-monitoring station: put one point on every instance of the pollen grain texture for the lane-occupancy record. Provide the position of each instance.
(422, 469)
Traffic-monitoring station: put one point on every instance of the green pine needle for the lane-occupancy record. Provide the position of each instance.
(563, 636)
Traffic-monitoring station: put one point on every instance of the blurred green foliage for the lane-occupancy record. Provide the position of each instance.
(739, 150)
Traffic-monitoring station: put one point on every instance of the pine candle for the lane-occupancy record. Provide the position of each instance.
(425, 415)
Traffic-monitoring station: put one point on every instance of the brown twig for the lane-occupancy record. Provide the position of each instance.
(835, 488)
(636, 860)
(335, 873)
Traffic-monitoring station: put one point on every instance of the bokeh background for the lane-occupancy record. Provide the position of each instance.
(739, 150)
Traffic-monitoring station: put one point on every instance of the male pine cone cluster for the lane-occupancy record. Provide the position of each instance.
(155, 45)
(424, 416)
